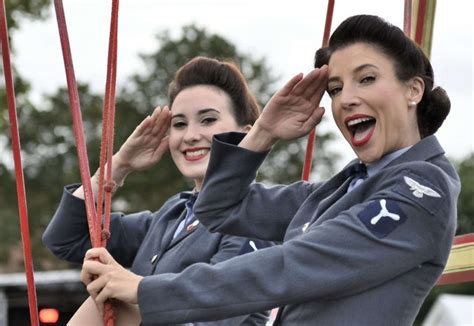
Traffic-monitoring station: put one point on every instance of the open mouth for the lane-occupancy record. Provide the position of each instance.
(361, 129)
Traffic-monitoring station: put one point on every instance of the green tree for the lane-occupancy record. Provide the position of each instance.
(465, 202)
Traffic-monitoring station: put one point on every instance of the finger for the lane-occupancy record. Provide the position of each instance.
(319, 93)
(96, 286)
(100, 307)
(156, 112)
(99, 253)
(164, 145)
(103, 296)
(162, 124)
(317, 85)
(90, 269)
(317, 96)
(304, 83)
(290, 85)
(314, 119)
(310, 83)
(142, 127)
(93, 253)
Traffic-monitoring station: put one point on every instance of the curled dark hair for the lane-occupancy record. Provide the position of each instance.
(224, 75)
(409, 61)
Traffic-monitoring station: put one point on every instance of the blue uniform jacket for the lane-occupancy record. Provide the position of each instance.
(367, 257)
(144, 243)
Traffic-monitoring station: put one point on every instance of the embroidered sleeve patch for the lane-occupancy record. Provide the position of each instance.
(420, 191)
(382, 216)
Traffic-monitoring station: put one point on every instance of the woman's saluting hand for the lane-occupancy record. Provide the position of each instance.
(148, 142)
(291, 113)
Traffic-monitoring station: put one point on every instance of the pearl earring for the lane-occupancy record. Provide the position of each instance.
(411, 103)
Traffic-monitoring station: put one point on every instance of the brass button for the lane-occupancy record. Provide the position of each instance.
(192, 226)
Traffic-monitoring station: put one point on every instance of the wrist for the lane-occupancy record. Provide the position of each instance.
(258, 139)
(120, 169)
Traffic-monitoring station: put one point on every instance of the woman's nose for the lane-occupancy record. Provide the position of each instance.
(193, 134)
(349, 98)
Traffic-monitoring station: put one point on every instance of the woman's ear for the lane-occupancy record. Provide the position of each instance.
(416, 88)
(246, 128)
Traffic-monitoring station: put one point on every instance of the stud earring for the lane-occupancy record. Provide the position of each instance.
(411, 103)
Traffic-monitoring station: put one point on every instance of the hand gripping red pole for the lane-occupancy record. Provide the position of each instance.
(93, 216)
(20, 182)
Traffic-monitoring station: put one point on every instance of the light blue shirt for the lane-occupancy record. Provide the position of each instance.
(189, 216)
(377, 166)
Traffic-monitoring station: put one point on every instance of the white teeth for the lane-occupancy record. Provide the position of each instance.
(196, 153)
(356, 121)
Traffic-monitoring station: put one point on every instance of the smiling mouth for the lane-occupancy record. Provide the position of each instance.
(361, 129)
(195, 154)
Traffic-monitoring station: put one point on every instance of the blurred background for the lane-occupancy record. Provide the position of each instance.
(270, 40)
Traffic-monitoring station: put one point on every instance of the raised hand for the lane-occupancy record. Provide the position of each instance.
(291, 113)
(107, 279)
(147, 144)
(142, 149)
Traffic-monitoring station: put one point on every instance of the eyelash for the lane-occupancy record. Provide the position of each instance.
(208, 120)
(335, 90)
(179, 125)
(367, 79)
(205, 121)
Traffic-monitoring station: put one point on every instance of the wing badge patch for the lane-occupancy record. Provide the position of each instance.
(419, 190)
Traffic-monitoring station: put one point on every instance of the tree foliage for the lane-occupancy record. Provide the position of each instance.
(17, 10)
(466, 202)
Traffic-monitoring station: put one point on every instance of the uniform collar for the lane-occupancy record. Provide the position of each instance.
(385, 160)
(425, 149)
(188, 195)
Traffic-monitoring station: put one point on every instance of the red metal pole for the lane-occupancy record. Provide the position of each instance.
(94, 227)
(407, 17)
(420, 22)
(312, 135)
(20, 182)
(108, 118)
(107, 142)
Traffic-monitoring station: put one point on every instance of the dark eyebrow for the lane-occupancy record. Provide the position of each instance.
(355, 71)
(200, 112)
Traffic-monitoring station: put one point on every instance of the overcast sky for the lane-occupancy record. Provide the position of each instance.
(286, 33)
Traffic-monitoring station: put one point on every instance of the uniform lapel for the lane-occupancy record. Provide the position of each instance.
(169, 226)
(185, 232)
(331, 199)
(337, 187)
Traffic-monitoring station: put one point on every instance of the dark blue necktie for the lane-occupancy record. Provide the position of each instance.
(358, 172)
